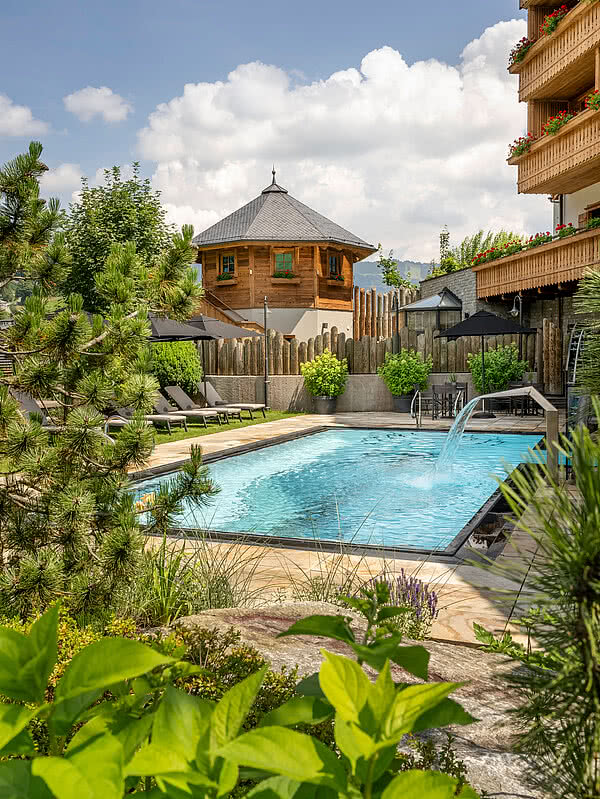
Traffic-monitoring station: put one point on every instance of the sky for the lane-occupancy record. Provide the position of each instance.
(392, 118)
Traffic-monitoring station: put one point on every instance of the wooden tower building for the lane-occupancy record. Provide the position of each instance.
(277, 247)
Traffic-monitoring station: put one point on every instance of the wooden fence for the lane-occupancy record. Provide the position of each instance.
(364, 354)
(374, 313)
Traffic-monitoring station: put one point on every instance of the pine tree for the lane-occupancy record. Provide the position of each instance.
(68, 522)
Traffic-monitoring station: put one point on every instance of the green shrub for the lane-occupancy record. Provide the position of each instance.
(404, 370)
(177, 363)
(118, 725)
(325, 376)
(502, 366)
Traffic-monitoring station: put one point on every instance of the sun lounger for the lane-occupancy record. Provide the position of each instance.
(181, 399)
(28, 406)
(162, 406)
(214, 400)
(154, 418)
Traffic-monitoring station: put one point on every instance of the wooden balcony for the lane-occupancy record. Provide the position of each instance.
(552, 264)
(565, 162)
(561, 66)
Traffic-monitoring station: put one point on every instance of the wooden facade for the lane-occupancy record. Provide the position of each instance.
(565, 162)
(557, 74)
(563, 65)
(255, 264)
(554, 265)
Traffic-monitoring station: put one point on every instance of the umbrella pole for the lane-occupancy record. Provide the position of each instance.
(483, 414)
(204, 369)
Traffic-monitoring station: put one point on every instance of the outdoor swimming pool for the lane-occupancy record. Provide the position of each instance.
(361, 486)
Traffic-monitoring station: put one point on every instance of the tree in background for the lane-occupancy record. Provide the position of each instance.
(68, 522)
(390, 274)
(119, 211)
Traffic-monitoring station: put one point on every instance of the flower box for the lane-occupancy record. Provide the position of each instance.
(231, 281)
(285, 281)
(340, 283)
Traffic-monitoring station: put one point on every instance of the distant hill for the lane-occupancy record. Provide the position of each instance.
(367, 274)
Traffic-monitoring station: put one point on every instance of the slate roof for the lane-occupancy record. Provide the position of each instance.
(277, 216)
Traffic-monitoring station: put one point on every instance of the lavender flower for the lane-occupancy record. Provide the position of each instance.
(407, 591)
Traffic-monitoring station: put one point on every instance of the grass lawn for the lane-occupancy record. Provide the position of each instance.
(197, 428)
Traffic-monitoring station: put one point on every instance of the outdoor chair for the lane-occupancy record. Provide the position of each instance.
(161, 406)
(213, 400)
(185, 403)
(125, 415)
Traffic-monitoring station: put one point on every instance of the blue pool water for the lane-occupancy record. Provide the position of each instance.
(365, 486)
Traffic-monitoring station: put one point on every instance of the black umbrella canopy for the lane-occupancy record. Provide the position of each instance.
(482, 323)
(165, 329)
(208, 328)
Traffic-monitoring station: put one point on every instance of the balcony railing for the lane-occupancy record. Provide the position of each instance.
(552, 264)
(565, 162)
(560, 66)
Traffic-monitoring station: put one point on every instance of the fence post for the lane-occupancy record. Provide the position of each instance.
(356, 314)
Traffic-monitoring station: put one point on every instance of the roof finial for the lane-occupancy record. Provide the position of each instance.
(273, 173)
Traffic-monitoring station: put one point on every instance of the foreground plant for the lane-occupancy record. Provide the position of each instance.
(560, 686)
(326, 375)
(68, 524)
(116, 723)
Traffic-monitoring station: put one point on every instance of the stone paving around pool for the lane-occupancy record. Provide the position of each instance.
(467, 593)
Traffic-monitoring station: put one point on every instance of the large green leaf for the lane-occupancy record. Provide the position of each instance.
(353, 742)
(16, 652)
(93, 670)
(284, 788)
(345, 685)
(415, 659)
(298, 710)
(229, 714)
(17, 781)
(63, 779)
(180, 721)
(382, 694)
(429, 784)
(155, 759)
(310, 686)
(14, 739)
(100, 759)
(447, 712)
(336, 627)
(411, 703)
(42, 638)
(288, 753)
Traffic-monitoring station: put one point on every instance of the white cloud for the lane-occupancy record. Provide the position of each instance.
(64, 179)
(390, 151)
(17, 120)
(97, 101)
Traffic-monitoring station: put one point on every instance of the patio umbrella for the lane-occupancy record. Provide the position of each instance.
(165, 329)
(482, 323)
(209, 329)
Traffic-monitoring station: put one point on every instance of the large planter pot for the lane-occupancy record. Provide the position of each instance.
(402, 402)
(325, 404)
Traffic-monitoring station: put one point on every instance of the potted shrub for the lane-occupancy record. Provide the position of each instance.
(502, 366)
(325, 378)
(402, 372)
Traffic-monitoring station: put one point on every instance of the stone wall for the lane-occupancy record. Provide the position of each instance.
(464, 285)
(287, 392)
